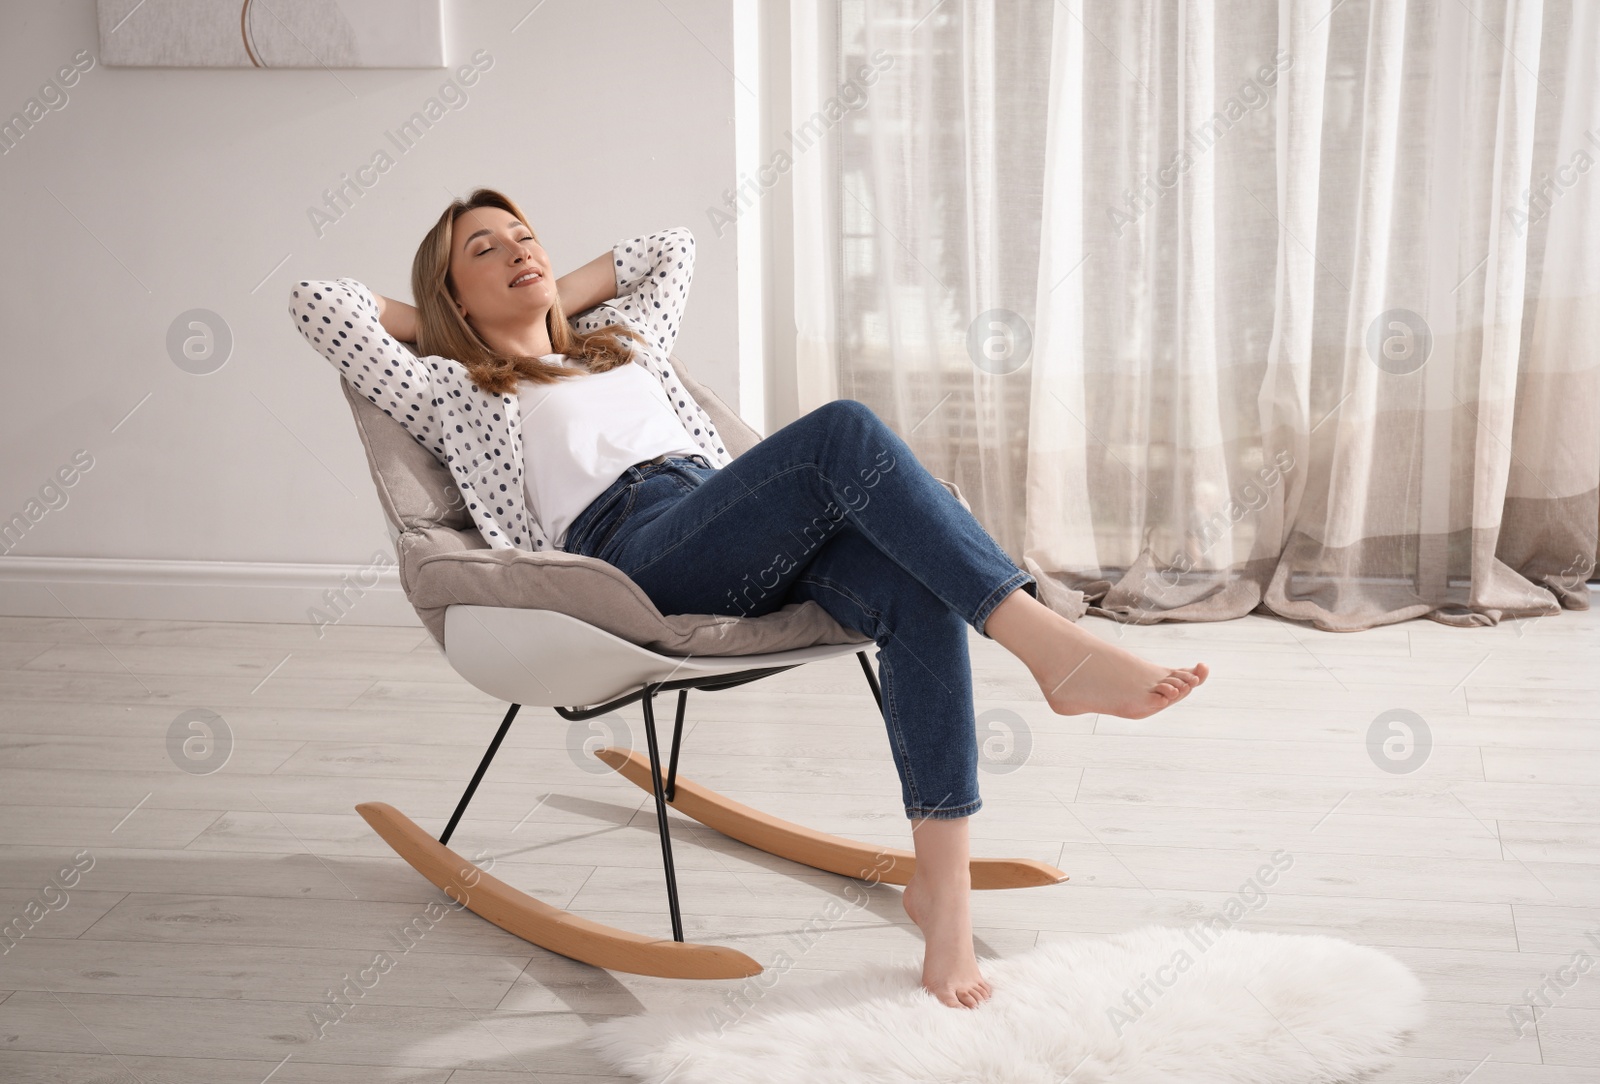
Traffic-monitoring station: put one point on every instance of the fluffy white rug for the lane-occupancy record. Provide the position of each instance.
(1157, 1005)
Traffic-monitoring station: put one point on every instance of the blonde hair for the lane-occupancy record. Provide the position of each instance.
(442, 330)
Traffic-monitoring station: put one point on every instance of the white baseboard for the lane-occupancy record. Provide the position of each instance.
(279, 593)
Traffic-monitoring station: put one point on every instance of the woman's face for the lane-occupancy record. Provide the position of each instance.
(492, 257)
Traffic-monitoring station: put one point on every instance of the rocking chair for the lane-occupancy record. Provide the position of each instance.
(574, 633)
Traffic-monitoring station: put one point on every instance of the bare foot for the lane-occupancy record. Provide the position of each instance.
(1080, 673)
(949, 966)
(1106, 678)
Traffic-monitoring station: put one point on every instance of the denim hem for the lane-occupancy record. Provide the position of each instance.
(996, 597)
(941, 813)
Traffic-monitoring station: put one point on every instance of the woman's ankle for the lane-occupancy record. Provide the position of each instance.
(1034, 633)
(941, 879)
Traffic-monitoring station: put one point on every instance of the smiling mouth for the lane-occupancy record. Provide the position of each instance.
(527, 278)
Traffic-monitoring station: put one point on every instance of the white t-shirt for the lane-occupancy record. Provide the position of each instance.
(580, 433)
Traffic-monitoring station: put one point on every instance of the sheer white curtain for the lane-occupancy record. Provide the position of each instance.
(1217, 306)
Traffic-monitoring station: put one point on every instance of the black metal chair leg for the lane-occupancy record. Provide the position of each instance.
(661, 806)
(664, 790)
(872, 679)
(677, 737)
(483, 766)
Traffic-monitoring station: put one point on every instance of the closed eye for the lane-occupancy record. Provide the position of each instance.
(481, 251)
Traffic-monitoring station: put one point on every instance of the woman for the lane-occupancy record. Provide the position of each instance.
(624, 466)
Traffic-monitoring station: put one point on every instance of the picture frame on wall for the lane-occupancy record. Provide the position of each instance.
(271, 33)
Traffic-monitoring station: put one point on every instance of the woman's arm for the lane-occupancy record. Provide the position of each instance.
(593, 283)
(652, 286)
(340, 319)
(397, 318)
(653, 274)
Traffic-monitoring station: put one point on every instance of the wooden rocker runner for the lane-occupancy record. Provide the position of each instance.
(558, 629)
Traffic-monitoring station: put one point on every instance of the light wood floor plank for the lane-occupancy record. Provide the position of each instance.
(1570, 1036)
(1579, 767)
(419, 1037)
(367, 925)
(243, 971)
(28, 1067)
(1403, 796)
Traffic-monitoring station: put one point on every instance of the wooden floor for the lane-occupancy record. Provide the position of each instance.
(222, 909)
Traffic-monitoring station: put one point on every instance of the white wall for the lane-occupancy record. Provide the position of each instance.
(151, 192)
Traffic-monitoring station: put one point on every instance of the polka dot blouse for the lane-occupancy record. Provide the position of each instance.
(477, 435)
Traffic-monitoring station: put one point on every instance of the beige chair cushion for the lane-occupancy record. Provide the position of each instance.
(444, 560)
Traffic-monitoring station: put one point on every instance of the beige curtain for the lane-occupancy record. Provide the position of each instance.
(1211, 307)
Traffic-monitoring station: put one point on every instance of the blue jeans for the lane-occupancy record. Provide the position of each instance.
(836, 509)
